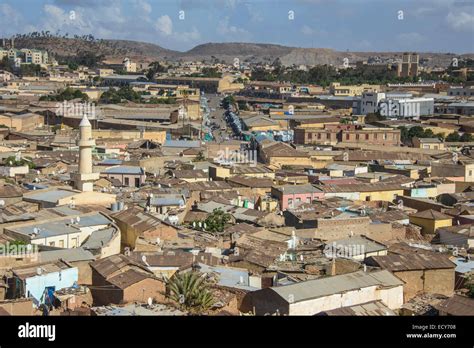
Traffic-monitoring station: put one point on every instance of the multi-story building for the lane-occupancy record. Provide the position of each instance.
(460, 91)
(34, 56)
(25, 56)
(332, 135)
(409, 65)
(394, 105)
(337, 89)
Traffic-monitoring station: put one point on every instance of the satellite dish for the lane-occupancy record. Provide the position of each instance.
(39, 271)
(144, 258)
(35, 230)
(2, 202)
(78, 219)
(149, 301)
(158, 240)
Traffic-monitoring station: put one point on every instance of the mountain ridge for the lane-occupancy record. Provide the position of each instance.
(227, 51)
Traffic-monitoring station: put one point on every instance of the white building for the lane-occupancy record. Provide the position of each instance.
(460, 91)
(315, 296)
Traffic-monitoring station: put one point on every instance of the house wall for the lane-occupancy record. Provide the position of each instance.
(430, 226)
(413, 283)
(302, 197)
(264, 301)
(129, 234)
(289, 161)
(435, 281)
(113, 247)
(19, 307)
(391, 297)
(123, 177)
(35, 285)
(388, 196)
(84, 272)
(89, 198)
(333, 229)
(439, 281)
(141, 291)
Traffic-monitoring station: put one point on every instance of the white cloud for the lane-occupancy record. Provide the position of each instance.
(164, 25)
(306, 30)
(410, 39)
(9, 16)
(144, 6)
(225, 28)
(461, 21)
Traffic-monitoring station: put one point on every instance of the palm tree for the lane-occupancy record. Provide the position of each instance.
(191, 291)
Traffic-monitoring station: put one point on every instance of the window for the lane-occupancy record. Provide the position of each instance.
(347, 136)
(298, 200)
(310, 136)
(290, 202)
(470, 173)
(308, 200)
(328, 136)
(61, 243)
(319, 135)
(367, 137)
(74, 242)
(127, 181)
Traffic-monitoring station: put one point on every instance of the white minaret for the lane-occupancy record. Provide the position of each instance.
(84, 179)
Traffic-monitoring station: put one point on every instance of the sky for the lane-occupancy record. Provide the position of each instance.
(355, 25)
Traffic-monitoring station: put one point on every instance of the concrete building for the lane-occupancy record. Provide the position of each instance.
(430, 220)
(291, 196)
(314, 296)
(428, 143)
(131, 176)
(337, 89)
(409, 65)
(424, 272)
(39, 281)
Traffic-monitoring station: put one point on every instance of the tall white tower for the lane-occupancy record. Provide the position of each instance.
(84, 179)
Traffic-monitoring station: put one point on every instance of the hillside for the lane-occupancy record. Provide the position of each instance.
(246, 52)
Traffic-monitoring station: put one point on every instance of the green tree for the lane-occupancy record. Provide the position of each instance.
(12, 161)
(190, 291)
(154, 68)
(200, 157)
(215, 222)
(466, 137)
(453, 137)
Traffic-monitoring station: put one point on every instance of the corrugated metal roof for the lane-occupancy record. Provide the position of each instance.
(125, 170)
(312, 289)
(51, 196)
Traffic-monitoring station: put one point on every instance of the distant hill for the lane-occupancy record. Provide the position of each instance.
(246, 52)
